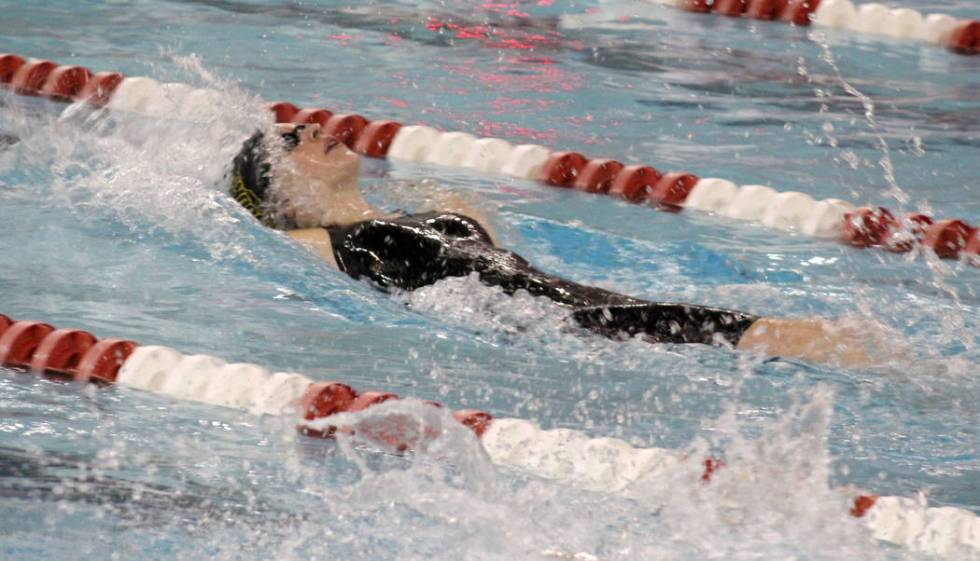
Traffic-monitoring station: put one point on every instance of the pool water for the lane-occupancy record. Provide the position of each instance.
(119, 225)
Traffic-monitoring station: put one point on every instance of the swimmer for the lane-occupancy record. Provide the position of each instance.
(306, 184)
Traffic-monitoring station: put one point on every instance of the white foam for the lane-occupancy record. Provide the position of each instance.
(601, 464)
(200, 104)
(945, 531)
(138, 95)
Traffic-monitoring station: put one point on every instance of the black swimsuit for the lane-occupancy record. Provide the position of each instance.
(417, 250)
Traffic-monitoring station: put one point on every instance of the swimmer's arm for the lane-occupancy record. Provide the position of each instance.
(316, 240)
(812, 340)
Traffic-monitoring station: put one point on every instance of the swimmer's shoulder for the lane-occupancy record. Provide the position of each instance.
(316, 240)
(322, 241)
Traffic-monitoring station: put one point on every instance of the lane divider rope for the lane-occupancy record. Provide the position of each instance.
(600, 464)
(860, 227)
(829, 218)
(959, 36)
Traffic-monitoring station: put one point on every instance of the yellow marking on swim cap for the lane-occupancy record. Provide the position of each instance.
(245, 196)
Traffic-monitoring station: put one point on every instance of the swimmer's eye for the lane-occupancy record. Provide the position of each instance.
(291, 138)
(315, 134)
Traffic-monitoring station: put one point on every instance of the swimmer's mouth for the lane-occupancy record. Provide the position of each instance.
(330, 144)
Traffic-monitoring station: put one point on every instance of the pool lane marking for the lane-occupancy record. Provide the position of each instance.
(792, 211)
(323, 409)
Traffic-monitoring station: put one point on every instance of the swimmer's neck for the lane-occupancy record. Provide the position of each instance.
(311, 204)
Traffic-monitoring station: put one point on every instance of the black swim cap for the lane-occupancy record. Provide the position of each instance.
(250, 173)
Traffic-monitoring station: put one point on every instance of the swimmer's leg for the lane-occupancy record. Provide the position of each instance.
(666, 323)
(815, 340)
(812, 340)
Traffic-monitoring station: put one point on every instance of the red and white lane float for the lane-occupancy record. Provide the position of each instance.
(600, 464)
(792, 211)
(859, 227)
(959, 36)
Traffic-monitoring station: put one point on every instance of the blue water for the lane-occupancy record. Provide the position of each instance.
(121, 228)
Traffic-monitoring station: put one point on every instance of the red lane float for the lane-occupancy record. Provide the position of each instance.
(61, 350)
(376, 138)
(9, 64)
(102, 362)
(346, 128)
(799, 12)
(910, 236)
(948, 238)
(700, 6)
(867, 227)
(65, 82)
(673, 188)
(475, 420)
(20, 340)
(862, 504)
(765, 9)
(309, 116)
(966, 38)
(30, 78)
(562, 168)
(635, 183)
(597, 176)
(732, 8)
(99, 88)
(323, 399)
(284, 111)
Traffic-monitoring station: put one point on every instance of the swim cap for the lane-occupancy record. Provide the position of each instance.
(250, 173)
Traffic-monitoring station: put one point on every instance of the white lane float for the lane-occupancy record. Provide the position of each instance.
(487, 154)
(450, 148)
(750, 203)
(789, 210)
(525, 161)
(413, 143)
(711, 194)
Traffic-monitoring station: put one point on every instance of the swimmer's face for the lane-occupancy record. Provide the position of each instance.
(317, 171)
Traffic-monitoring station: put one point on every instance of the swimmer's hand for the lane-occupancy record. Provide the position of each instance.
(819, 341)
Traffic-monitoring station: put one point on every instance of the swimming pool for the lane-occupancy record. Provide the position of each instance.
(122, 229)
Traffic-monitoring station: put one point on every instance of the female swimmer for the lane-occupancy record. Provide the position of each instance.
(305, 183)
